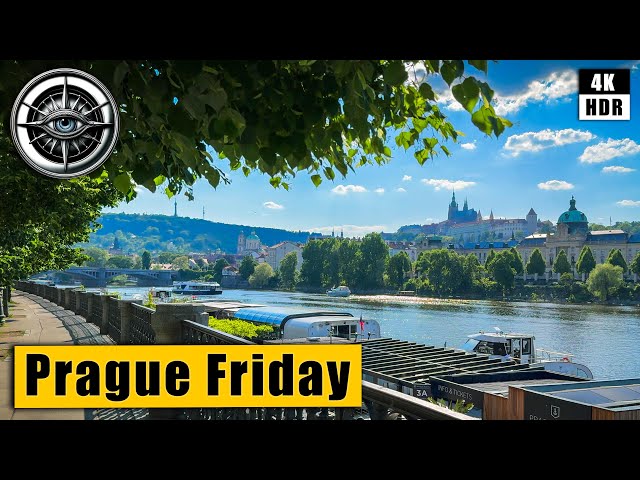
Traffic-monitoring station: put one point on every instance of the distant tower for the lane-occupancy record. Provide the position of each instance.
(466, 206)
(341, 232)
(241, 243)
(203, 212)
(532, 221)
(491, 216)
(333, 232)
(479, 216)
(453, 207)
(175, 208)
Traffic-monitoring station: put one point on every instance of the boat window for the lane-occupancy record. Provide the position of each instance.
(526, 346)
(515, 346)
(469, 345)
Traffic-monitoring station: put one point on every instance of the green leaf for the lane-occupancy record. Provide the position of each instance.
(479, 64)
(329, 173)
(208, 69)
(480, 119)
(275, 182)
(467, 93)
(434, 64)
(216, 99)
(159, 180)
(168, 192)
(451, 69)
(426, 91)
(122, 182)
(395, 73)
(486, 90)
(497, 125)
(445, 150)
(316, 179)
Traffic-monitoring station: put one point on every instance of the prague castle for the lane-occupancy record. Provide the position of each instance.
(467, 225)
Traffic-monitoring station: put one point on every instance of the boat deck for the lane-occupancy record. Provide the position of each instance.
(406, 363)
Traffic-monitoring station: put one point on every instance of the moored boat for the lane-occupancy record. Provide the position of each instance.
(196, 288)
(521, 348)
(340, 291)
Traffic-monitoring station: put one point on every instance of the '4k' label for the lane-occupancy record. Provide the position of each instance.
(604, 94)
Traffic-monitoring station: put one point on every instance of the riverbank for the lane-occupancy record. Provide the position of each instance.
(575, 293)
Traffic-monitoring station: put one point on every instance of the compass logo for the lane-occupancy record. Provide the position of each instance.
(65, 123)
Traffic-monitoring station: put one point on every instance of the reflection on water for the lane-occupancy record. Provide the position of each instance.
(603, 338)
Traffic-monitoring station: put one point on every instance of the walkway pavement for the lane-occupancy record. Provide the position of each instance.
(36, 321)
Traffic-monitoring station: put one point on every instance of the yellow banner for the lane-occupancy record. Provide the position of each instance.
(189, 376)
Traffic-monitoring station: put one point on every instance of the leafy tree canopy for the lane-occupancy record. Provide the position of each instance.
(278, 117)
(562, 265)
(536, 263)
(586, 262)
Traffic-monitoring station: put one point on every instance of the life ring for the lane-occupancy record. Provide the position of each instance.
(565, 359)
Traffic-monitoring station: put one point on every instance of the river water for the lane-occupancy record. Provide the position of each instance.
(605, 338)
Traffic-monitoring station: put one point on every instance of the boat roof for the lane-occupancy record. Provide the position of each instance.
(498, 337)
(278, 315)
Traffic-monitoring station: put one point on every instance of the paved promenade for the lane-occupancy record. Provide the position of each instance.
(36, 321)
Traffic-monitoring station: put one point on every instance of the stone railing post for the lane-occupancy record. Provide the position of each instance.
(167, 320)
(104, 323)
(69, 298)
(90, 297)
(76, 303)
(59, 299)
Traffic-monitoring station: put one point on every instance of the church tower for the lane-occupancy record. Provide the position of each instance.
(241, 243)
(532, 221)
(453, 207)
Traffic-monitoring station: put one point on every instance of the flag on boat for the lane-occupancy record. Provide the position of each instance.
(361, 323)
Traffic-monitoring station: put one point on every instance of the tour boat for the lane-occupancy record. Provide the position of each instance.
(520, 347)
(196, 288)
(341, 291)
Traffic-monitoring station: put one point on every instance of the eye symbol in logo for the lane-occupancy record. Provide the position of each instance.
(64, 123)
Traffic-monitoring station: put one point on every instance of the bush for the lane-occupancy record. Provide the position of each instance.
(485, 286)
(566, 279)
(241, 328)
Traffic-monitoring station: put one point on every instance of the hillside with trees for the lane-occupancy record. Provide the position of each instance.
(135, 233)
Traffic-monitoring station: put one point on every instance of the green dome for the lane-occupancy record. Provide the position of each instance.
(253, 236)
(572, 215)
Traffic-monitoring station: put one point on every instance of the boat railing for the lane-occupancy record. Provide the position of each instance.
(544, 355)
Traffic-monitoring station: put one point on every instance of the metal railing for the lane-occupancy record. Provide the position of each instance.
(114, 319)
(141, 332)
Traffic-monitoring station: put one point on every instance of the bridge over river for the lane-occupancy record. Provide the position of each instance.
(99, 277)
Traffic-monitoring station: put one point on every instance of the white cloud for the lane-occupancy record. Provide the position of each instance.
(272, 206)
(407, 178)
(401, 190)
(439, 184)
(536, 141)
(139, 189)
(555, 185)
(468, 146)
(617, 169)
(379, 190)
(605, 151)
(555, 86)
(629, 203)
(350, 230)
(345, 189)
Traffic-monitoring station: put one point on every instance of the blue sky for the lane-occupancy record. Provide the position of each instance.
(547, 156)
